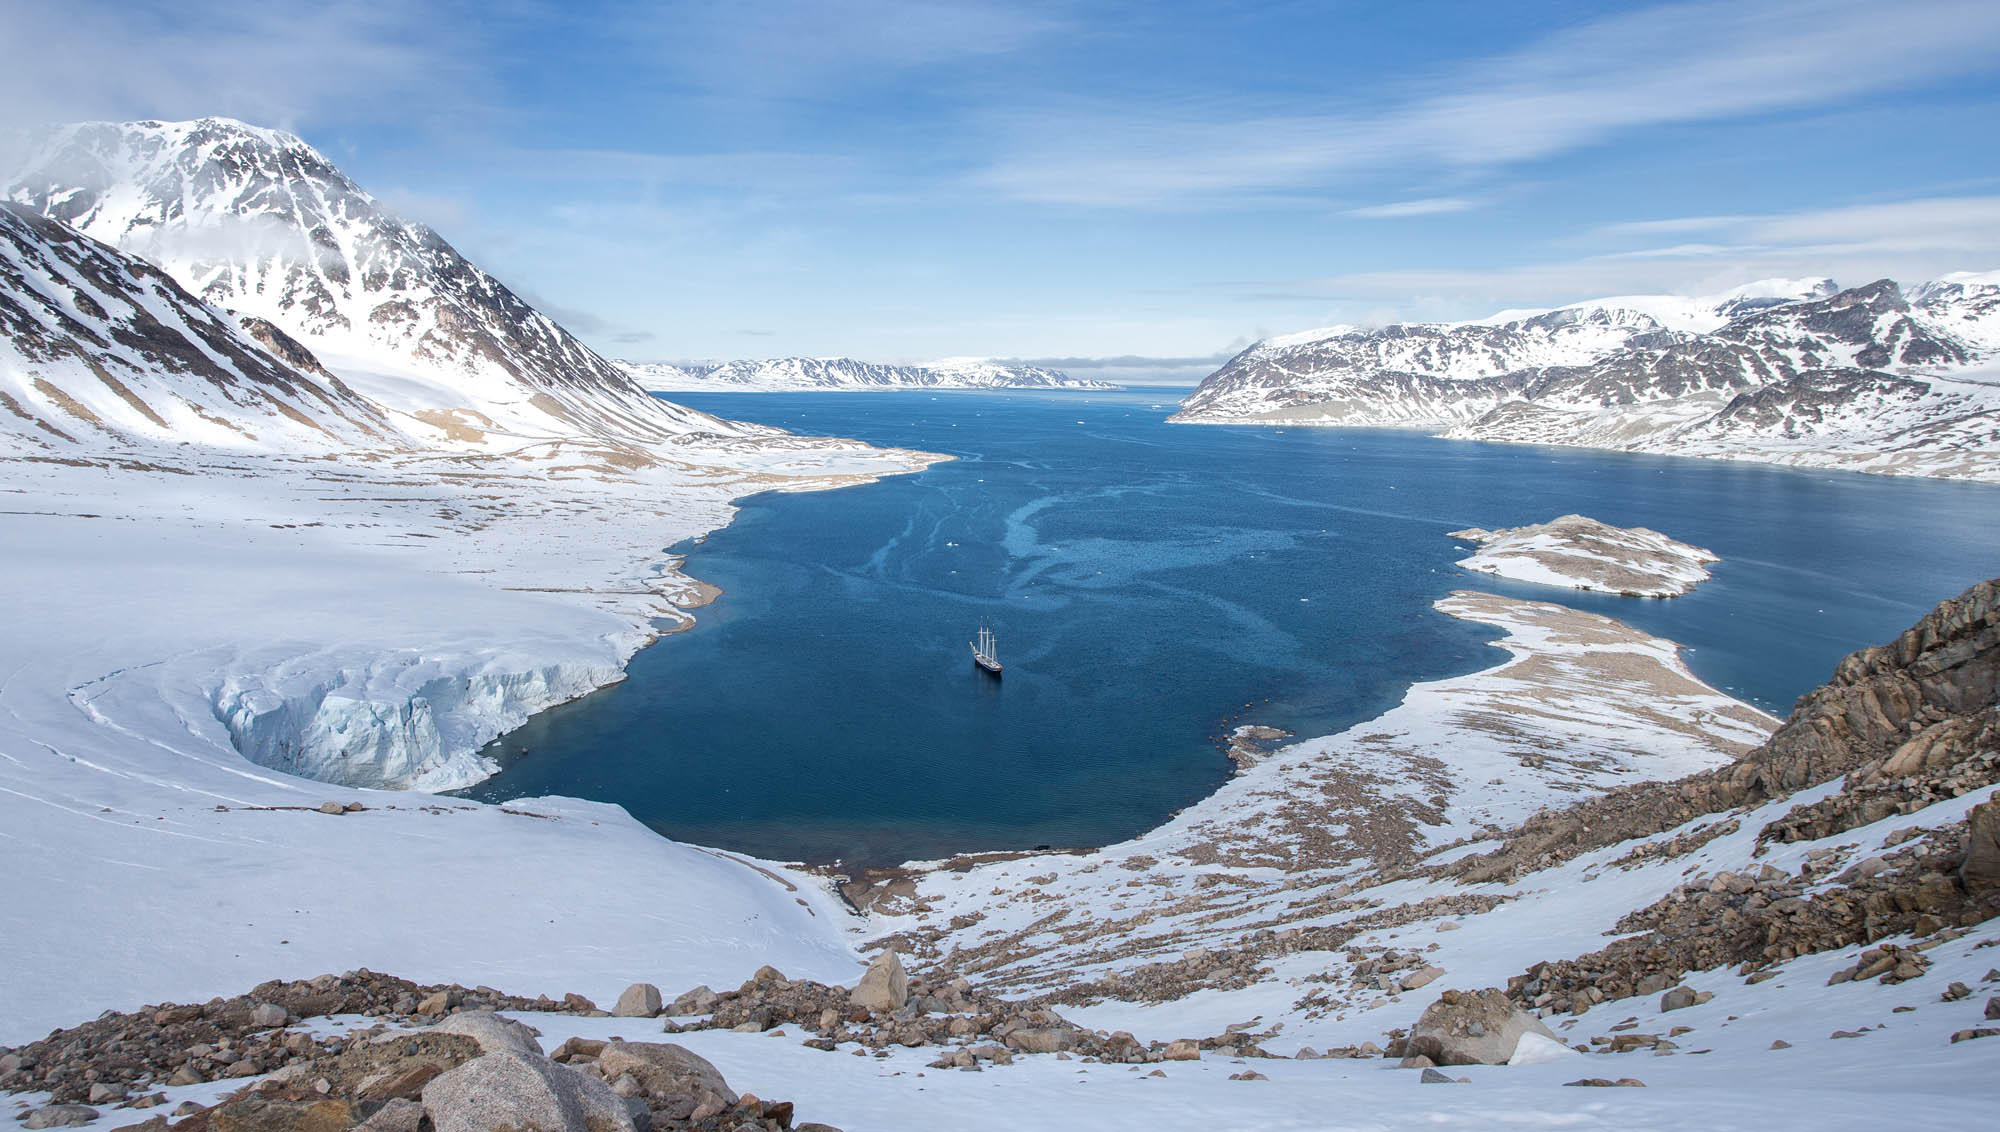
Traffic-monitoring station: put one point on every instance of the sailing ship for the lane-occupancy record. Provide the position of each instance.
(982, 650)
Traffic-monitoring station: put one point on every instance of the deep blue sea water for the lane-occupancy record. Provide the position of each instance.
(1151, 586)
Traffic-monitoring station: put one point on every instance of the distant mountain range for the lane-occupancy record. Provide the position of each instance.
(1871, 378)
(265, 238)
(777, 375)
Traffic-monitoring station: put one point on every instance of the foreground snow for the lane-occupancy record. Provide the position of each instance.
(370, 621)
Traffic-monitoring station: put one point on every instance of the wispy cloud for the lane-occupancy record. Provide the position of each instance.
(284, 63)
(1676, 63)
(1909, 241)
(1397, 210)
(1673, 225)
(803, 47)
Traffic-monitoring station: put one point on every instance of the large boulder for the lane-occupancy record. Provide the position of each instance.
(493, 1033)
(1472, 1028)
(640, 1000)
(1981, 871)
(664, 1069)
(524, 1094)
(884, 986)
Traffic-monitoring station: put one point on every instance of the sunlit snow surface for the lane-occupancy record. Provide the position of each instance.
(369, 621)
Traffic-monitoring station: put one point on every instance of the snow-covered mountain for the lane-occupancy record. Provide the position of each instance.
(96, 345)
(258, 222)
(1790, 371)
(774, 375)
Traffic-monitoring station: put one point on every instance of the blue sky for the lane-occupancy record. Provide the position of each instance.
(908, 179)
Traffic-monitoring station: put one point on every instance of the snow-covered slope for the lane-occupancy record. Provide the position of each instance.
(258, 222)
(1431, 374)
(1784, 371)
(779, 375)
(203, 644)
(96, 347)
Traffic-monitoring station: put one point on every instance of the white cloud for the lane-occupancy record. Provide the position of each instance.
(1909, 241)
(1396, 210)
(279, 64)
(1676, 63)
(1670, 226)
(803, 47)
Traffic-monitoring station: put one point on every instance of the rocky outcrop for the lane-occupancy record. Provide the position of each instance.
(1929, 696)
(1755, 921)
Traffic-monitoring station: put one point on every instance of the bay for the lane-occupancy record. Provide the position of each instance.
(1153, 585)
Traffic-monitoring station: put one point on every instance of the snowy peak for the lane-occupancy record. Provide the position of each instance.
(797, 374)
(1871, 327)
(97, 345)
(259, 222)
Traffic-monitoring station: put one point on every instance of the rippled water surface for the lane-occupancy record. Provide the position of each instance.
(1152, 585)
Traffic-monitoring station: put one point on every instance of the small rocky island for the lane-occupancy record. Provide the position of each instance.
(1584, 554)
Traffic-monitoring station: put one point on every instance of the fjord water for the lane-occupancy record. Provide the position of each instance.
(1152, 585)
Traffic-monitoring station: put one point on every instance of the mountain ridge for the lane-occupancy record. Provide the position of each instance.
(258, 222)
(1873, 378)
(797, 374)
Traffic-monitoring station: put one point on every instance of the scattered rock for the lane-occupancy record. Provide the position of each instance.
(1980, 874)
(700, 1000)
(493, 1033)
(398, 1115)
(640, 1000)
(1182, 1049)
(665, 1069)
(60, 1116)
(332, 808)
(268, 1015)
(1419, 978)
(1433, 1077)
(884, 987)
(1607, 1083)
(507, 1090)
(1446, 1031)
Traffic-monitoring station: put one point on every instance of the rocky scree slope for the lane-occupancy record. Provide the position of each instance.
(258, 222)
(1870, 377)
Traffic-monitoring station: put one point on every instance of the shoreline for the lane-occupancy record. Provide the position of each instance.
(1939, 466)
(127, 797)
(1578, 704)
